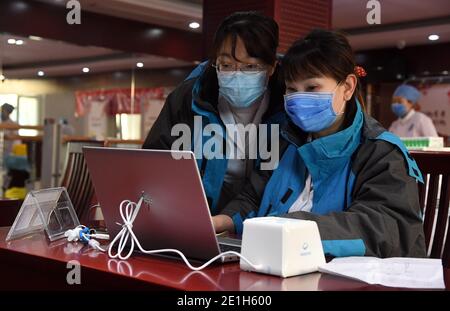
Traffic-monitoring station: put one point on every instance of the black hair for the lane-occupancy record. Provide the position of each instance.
(259, 34)
(323, 53)
(7, 108)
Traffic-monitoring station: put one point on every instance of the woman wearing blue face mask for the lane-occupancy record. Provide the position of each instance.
(340, 168)
(410, 123)
(238, 85)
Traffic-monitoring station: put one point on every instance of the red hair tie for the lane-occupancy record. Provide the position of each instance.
(360, 72)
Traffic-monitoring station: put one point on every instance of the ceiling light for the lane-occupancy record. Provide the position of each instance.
(140, 65)
(35, 38)
(11, 41)
(41, 73)
(194, 25)
(19, 6)
(19, 42)
(86, 69)
(433, 37)
(154, 33)
(118, 75)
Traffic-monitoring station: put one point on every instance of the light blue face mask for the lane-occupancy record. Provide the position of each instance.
(240, 89)
(311, 111)
(399, 109)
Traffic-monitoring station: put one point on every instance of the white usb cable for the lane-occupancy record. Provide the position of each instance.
(128, 211)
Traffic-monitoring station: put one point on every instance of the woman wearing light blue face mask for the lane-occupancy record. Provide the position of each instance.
(340, 168)
(410, 123)
(238, 85)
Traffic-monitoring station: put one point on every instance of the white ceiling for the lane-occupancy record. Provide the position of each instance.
(347, 14)
(45, 50)
(101, 66)
(352, 13)
(58, 58)
(400, 38)
(170, 13)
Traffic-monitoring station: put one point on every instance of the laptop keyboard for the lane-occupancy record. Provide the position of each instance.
(227, 247)
(229, 244)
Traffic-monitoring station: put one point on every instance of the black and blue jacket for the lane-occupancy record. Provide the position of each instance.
(198, 96)
(365, 190)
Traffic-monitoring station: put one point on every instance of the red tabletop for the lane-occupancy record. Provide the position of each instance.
(34, 263)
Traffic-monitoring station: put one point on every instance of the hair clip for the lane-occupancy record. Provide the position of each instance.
(360, 71)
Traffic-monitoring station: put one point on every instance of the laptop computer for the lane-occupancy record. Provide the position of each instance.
(176, 213)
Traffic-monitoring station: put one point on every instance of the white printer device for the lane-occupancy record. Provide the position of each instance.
(281, 246)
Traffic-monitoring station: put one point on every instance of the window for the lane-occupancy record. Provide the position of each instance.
(12, 100)
(28, 114)
(129, 126)
(26, 111)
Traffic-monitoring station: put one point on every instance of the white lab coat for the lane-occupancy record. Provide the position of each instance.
(414, 124)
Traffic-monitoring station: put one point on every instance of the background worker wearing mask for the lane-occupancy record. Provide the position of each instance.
(238, 85)
(410, 123)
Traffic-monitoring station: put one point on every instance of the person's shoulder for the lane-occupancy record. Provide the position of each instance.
(9, 121)
(379, 155)
(394, 123)
(180, 98)
(184, 88)
(422, 116)
(376, 148)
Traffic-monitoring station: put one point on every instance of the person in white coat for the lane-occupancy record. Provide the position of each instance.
(410, 123)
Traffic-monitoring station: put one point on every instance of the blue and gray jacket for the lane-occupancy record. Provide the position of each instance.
(197, 96)
(365, 190)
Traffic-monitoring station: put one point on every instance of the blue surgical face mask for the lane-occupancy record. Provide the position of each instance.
(240, 89)
(311, 111)
(399, 109)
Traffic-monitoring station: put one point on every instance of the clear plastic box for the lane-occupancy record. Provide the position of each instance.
(50, 210)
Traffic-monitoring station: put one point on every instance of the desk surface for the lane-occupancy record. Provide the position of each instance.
(35, 263)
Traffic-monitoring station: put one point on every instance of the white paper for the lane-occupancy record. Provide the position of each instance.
(421, 273)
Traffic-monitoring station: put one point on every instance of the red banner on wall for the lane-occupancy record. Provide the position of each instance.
(118, 100)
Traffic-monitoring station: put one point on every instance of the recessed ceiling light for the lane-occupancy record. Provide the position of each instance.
(19, 6)
(35, 38)
(118, 74)
(433, 37)
(194, 25)
(11, 41)
(154, 33)
(140, 65)
(41, 73)
(86, 69)
(19, 42)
